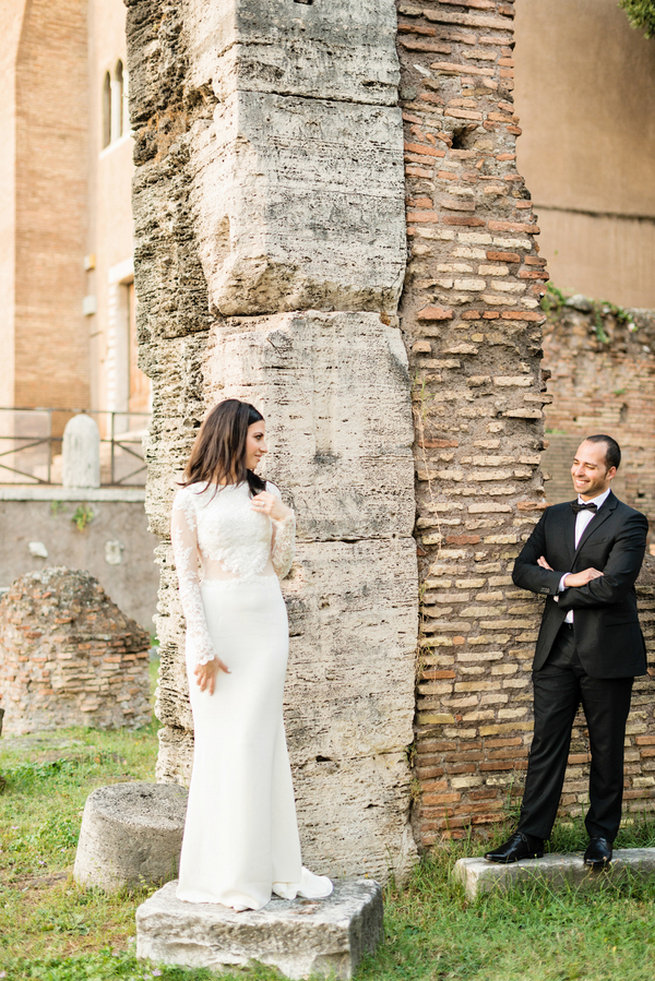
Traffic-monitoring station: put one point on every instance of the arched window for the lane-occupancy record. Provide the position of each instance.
(106, 111)
(119, 103)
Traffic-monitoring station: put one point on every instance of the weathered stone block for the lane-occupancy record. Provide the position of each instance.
(263, 247)
(341, 50)
(557, 870)
(81, 452)
(300, 937)
(131, 835)
(335, 389)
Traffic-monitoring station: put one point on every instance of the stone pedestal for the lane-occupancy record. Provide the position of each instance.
(131, 835)
(81, 452)
(479, 876)
(301, 937)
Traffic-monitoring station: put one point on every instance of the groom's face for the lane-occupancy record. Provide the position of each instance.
(590, 473)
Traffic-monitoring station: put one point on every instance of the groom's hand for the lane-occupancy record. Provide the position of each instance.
(582, 578)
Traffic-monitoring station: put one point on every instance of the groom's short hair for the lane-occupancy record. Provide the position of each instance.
(612, 449)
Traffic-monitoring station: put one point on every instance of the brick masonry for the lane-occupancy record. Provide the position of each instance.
(50, 205)
(68, 656)
(472, 324)
(602, 367)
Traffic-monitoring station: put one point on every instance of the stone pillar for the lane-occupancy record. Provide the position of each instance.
(81, 453)
(270, 252)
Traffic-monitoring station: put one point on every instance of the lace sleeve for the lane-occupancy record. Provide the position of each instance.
(283, 543)
(185, 550)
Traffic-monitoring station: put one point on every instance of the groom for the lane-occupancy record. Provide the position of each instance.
(584, 557)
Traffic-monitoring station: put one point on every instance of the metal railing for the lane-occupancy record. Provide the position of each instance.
(31, 443)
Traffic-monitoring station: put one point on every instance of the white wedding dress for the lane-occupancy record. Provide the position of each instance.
(241, 835)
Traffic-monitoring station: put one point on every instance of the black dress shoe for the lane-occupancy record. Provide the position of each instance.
(598, 854)
(518, 846)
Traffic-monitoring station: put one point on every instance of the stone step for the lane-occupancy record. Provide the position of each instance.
(300, 937)
(479, 876)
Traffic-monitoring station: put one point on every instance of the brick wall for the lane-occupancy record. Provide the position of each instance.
(50, 202)
(472, 324)
(68, 656)
(602, 369)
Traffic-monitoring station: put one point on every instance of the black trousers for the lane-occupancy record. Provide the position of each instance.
(559, 688)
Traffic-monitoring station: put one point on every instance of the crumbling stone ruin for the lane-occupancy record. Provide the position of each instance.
(330, 223)
(69, 657)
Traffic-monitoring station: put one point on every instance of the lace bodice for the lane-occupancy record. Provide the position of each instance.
(218, 535)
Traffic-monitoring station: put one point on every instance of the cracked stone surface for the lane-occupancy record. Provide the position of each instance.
(262, 249)
(324, 938)
(343, 51)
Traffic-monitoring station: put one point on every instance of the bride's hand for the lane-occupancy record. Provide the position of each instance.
(271, 505)
(206, 674)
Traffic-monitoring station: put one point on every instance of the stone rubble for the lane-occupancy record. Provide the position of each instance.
(69, 656)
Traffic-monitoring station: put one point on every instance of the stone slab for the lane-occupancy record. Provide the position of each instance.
(480, 877)
(311, 212)
(131, 835)
(341, 50)
(321, 938)
(335, 390)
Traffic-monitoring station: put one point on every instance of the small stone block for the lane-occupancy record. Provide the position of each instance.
(479, 876)
(131, 835)
(300, 937)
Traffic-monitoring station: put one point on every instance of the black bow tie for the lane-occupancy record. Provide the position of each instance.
(575, 507)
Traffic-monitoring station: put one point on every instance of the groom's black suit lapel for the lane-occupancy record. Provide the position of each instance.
(568, 532)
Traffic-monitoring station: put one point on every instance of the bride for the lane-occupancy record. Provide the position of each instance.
(232, 537)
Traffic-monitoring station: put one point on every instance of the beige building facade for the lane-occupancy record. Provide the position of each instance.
(67, 326)
(43, 164)
(585, 96)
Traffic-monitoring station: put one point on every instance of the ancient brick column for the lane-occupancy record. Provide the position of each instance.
(270, 253)
(471, 318)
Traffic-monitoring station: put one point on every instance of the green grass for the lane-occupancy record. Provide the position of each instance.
(52, 930)
(534, 934)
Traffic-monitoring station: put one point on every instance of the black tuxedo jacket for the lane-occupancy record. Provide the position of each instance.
(608, 637)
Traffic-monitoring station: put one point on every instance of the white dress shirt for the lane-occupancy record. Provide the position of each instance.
(582, 519)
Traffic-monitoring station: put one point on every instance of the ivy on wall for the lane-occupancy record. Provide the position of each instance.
(641, 14)
(554, 300)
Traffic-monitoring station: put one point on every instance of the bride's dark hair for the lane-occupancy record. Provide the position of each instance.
(218, 455)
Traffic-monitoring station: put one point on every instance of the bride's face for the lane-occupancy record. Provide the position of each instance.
(255, 444)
